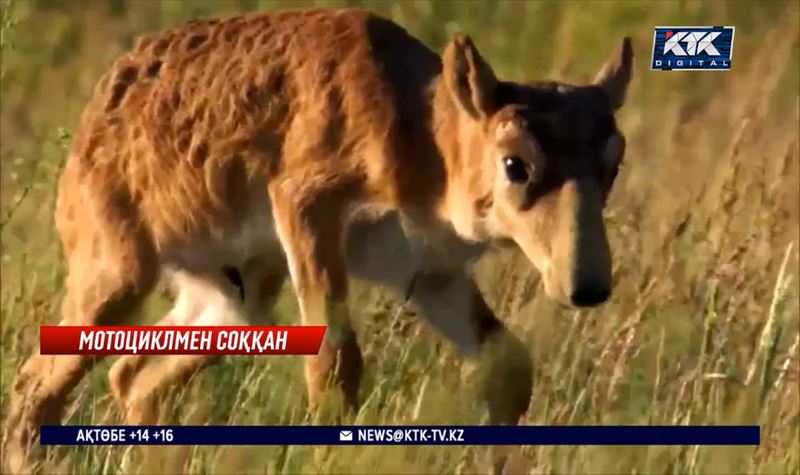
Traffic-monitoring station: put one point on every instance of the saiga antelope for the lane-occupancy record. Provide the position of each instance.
(321, 144)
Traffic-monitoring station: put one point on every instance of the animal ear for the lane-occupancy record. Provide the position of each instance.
(468, 77)
(615, 75)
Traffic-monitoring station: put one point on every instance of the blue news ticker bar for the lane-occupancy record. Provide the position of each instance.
(400, 435)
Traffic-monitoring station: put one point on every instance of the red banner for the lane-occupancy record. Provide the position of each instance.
(185, 340)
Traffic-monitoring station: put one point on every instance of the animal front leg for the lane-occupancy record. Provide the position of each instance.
(452, 302)
(311, 239)
(507, 375)
(449, 300)
(506, 372)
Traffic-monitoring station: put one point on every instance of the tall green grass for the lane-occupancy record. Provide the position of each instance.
(704, 323)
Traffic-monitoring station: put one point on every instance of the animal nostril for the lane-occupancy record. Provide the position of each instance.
(590, 296)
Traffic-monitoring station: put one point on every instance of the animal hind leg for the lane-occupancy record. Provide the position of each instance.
(135, 379)
(201, 300)
(98, 293)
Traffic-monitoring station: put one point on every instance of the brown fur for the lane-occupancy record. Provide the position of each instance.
(322, 144)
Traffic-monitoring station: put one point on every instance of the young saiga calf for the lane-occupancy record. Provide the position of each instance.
(321, 144)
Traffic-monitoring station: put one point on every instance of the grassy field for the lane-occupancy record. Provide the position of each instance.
(704, 324)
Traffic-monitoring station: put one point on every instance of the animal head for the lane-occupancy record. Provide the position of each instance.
(537, 162)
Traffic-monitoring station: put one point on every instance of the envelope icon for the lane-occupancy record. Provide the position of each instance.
(346, 435)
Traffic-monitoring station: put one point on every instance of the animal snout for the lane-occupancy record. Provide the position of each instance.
(589, 295)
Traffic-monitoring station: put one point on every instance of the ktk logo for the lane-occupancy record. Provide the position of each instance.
(697, 48)
(696, 43)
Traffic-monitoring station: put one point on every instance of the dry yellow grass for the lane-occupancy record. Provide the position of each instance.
(704, 323)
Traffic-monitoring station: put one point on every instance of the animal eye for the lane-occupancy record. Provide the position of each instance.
(516, 169)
